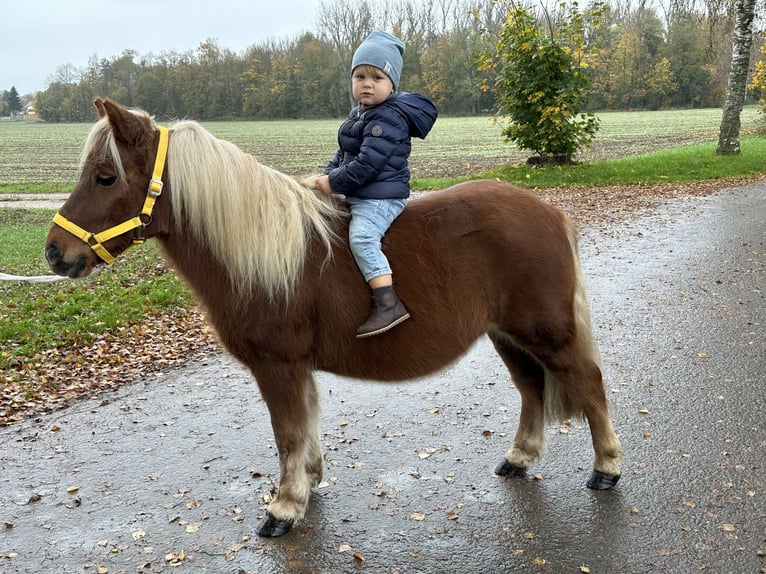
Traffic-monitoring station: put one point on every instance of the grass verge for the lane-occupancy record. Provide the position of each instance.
(677, 165)
(36, 317)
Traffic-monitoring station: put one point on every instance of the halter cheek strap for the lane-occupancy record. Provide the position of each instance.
(96, 240)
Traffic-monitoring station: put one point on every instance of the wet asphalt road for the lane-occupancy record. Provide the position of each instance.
(172, 473)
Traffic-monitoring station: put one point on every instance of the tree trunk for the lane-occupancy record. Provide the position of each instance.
(742, 41)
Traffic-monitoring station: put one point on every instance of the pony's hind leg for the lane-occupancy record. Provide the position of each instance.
(290, 394)
(557, 380)
(528, 376)
(578, 379)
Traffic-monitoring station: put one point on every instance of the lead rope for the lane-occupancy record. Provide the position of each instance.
(32, 278)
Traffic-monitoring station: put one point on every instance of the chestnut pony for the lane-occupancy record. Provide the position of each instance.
(268, 259)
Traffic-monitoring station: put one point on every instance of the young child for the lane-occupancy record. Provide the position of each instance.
(370, 167)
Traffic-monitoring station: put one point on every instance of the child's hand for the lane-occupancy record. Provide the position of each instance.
(322, 183)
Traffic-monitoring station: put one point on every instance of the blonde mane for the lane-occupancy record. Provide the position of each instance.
(257, 221)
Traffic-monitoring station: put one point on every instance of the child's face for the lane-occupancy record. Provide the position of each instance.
(370, 86)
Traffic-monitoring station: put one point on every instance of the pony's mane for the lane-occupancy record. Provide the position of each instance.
(257, 221)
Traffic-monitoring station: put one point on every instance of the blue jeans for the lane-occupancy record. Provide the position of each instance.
(370, 219)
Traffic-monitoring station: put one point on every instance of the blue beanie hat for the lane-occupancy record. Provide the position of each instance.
(383, 51)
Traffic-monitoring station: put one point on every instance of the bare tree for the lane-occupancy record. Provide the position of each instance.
(66, 74)
(345, 23)
(742, 41)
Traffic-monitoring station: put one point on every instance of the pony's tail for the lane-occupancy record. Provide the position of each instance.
(558, 403)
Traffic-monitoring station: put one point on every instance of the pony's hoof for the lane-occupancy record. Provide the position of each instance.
(505, 468)
(600, 481)
(271, 527)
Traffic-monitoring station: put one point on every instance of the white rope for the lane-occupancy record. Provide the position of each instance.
(32, 279)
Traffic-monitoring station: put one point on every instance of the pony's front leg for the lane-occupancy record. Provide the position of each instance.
(291, 396)
(529, 442)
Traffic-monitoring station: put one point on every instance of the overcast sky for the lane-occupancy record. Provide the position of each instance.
(38, 36)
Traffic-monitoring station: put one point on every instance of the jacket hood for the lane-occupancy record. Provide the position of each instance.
(420, 112)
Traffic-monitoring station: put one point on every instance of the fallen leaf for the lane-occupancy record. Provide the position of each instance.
(633, 509)
(433, 410)
(358, 556)
(584, 569)
(728, 528)
(102, 570)
(643, 411)
(72, 489)
(138, 534)
(419, 516)
(344, 548)
(173, 558)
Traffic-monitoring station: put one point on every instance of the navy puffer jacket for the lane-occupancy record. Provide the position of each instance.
(374, 144)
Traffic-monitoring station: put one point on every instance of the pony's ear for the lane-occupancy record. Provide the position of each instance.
(126, 127)
(99, 103)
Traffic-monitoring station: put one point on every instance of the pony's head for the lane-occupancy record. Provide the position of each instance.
(113, 204)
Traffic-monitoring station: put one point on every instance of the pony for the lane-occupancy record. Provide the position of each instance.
(268, 259)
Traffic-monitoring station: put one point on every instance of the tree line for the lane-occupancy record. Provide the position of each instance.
(644, 55)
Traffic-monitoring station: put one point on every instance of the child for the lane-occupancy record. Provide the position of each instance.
(370, 167)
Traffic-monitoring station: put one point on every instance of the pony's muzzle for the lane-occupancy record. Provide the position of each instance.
(55, 258)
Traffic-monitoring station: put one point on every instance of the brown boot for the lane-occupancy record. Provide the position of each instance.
(387, 312)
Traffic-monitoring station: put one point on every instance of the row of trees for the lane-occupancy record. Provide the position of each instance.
(643, 55)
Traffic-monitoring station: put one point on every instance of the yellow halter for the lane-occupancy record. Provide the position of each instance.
(95, 240)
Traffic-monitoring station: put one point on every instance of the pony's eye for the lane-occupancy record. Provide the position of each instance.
(106, 180)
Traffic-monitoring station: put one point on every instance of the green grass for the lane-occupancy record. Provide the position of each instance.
(35, 317)
(46, 187)
(676, 165)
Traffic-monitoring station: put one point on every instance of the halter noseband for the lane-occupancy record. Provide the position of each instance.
(96, 240)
